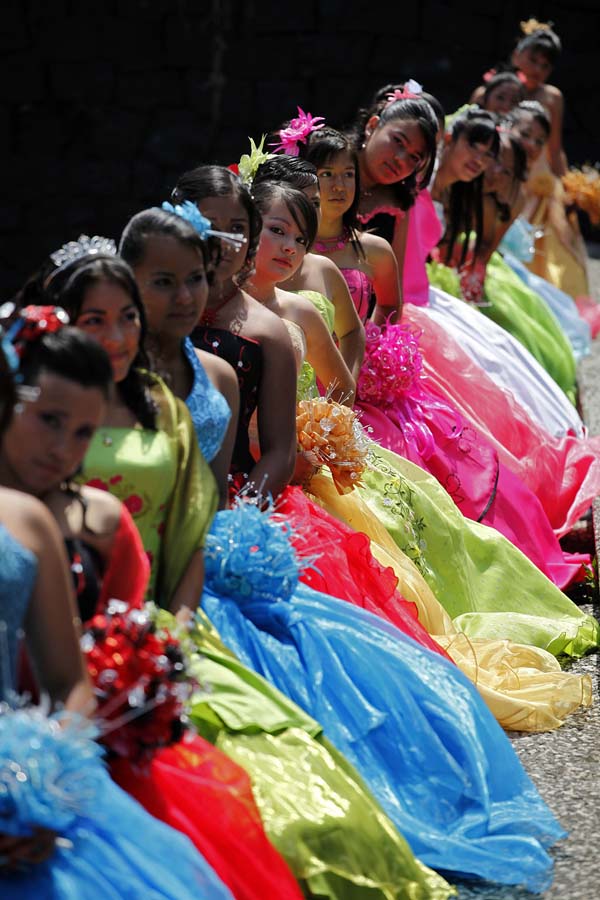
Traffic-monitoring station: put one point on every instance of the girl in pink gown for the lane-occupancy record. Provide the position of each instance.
(394, 398)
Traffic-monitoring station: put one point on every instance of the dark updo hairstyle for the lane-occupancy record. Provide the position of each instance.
(540, 37)
(70, 353)
(132, 246)
(292, 170)
(417, 110)
(300, 208)
(538, 113)
(218, 181)
(67, 286)
(465, 206)
(506, 77)
(436, 106)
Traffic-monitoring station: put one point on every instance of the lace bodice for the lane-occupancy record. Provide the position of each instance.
(18, 568)
(208, 407)
(298, 339)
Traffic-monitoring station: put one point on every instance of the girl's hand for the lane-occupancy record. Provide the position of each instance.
(304, 470)
(16, 852)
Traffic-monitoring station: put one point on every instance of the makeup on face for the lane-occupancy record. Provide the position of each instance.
(282, 244)
(227, 214)
(173, 285)
(110, 316)
(48, 437)
(393, 150)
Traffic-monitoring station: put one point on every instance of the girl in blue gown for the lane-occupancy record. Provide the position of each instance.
(412, 724)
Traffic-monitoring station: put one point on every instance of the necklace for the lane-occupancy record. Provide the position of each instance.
(209, 316)
(327, 245)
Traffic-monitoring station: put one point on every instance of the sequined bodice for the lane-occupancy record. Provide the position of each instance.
(361, 289)
(208, 407)
(245, 355)
(18, 568)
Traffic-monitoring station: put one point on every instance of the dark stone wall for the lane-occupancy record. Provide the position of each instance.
(104, 103)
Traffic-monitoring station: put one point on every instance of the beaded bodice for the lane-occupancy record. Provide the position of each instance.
(361, 290)
(208, 407)
(18, 568)
(245, 355)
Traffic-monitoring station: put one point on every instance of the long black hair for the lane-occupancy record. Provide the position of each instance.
(541, 37)
(293, 170)
(70, 353)
(66, 287)
(411, 109)
(505, 77)
(217, 181)
(321, 147)
(73, 355)
(535, 109)
(301, 209)
(465, 206)
(519, 175)
(132, 245)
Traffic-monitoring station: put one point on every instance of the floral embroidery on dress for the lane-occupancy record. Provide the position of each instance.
(398, 500)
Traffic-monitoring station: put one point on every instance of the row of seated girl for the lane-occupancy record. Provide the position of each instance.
(370, 611)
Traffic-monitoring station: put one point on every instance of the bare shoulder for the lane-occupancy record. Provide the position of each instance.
(551, 96)
(266, 325)
(375, 247)
(27, 519)
(103, 512)
(219, 371)
(294, 300)
(320, 264)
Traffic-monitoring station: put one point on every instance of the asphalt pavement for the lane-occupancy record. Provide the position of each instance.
(565, 764)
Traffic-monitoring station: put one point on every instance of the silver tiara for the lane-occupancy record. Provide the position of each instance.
(83, 246)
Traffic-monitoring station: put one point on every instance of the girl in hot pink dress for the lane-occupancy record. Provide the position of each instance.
(394, 397)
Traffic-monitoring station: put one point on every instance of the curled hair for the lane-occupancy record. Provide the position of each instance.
(218, 181)
(132, 246)
(539, 36)
(465, 207)
(498, 79)
(68, 288)
(301, 209)
(292, 170)
(414, 110)
(538, 113)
